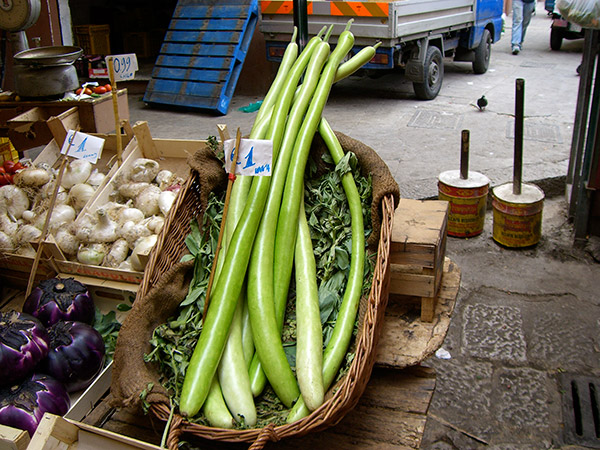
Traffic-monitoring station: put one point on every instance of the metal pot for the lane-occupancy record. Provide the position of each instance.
(45, 81)
(46, 71)
(49, 56)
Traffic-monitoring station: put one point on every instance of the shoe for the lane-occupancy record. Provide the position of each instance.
(515, 50)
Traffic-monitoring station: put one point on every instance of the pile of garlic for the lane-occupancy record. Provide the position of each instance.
(119, 233)
(24, 204)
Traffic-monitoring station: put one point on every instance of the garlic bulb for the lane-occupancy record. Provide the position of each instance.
(77, 171)
(144, 170)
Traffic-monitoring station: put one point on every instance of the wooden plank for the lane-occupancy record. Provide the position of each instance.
(13, 439)
(145, 141)
(202, 12)
(213, 49)
(211, 24)
(206, 76)
(391, 414)
(194, 62)
(413, 254)
(405, 339)
(187, 88)
(53, 431)
(182, 100)
(406, 281)
(223, 37)
(428, 308)
(419, 221)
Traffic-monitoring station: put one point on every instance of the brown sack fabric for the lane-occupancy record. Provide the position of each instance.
(131, 375)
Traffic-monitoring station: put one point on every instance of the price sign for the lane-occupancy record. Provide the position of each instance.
(82, 146)
(254, 156)
(124, 66)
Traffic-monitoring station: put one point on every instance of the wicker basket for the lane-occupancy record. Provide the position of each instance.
(343, 396)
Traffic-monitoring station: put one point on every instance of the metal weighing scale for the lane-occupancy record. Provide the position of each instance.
(42, 71)
(15, 17)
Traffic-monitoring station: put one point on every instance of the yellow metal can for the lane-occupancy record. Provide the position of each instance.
(467, 199)
(517, 217)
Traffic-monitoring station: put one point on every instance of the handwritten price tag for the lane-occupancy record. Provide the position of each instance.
(124, 66)
(83, 146)
(254, 157)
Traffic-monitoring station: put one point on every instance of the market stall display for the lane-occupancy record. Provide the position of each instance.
(340, 187)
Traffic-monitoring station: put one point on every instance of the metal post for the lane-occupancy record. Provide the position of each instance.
(581, 118)
(301, 22)
(519, 116)
(583, 202)
(464, 155)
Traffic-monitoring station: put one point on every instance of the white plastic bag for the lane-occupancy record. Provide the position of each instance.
(585, 13)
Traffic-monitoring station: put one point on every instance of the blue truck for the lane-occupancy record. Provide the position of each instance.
(416, 35)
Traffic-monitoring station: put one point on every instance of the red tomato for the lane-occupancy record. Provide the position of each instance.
(9, 166)
(18, 166)
(108, 87)
(5, 179)
(2, 169)
(99, 90)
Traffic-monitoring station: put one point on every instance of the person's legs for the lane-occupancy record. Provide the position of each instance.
(517, 24)
(528, 9)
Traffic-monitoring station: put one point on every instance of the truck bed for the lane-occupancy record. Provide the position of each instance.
(391, 22)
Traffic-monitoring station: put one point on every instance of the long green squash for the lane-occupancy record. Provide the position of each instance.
(261, 261)
(342, 332)
(287, 224)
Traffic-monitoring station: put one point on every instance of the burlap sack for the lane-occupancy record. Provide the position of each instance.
(131, 375)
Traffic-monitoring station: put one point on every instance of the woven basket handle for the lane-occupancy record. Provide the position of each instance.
(266, 434)
(175, 431)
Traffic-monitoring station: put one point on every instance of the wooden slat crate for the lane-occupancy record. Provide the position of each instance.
(417, 251)
(202, 54)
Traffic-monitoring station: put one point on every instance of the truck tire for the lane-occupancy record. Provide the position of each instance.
(433, 74)
(483, 53)
(556, 38)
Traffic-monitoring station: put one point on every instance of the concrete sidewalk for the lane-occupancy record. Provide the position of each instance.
(526, 323)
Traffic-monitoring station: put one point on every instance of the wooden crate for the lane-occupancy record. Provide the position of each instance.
(13, 439)
(30, 129)
(417, 251)
(93, 39)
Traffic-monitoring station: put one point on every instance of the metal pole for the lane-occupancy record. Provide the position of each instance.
(518, 159)
(583, 202)
(464, 155)
(301, 22)
(581, 118)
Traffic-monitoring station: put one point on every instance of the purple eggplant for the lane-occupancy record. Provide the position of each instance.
(23, 405)
(24, 342)
(76, 354)
(59, 299)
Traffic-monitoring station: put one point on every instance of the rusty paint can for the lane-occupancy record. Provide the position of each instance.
(517, 217)
(467, 199)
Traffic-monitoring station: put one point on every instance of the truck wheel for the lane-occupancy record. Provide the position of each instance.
(433, 73)
(556, 38)
(483, 53)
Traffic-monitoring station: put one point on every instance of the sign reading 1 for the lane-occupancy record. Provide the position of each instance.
(124, 66)
(83, 146)
(254, 156)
